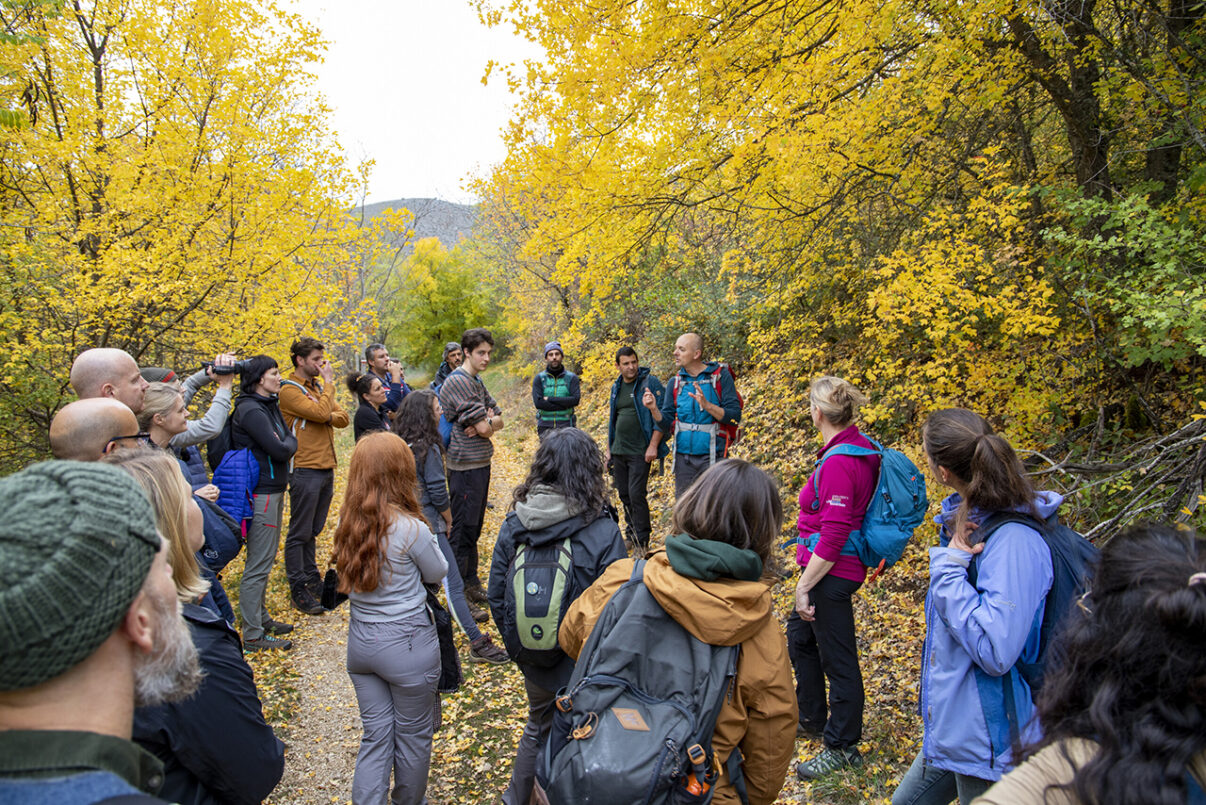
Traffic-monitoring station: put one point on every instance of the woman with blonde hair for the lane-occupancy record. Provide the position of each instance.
(820, 631)
(385, 553)
(216, 746)
(158, 473)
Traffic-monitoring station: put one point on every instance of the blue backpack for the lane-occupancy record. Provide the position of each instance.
(236, 477)
(1073, 560)
(897, 507)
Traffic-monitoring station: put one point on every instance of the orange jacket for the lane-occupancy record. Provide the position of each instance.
(761, 716)
(312, 415)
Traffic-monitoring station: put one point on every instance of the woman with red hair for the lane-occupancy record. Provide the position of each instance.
(385, 552)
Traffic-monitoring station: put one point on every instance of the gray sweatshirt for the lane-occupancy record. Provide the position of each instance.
(412, 556)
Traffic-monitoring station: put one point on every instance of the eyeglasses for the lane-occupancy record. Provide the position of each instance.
(142, 437)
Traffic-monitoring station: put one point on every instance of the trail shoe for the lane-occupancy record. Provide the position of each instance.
(266, 642)
(277, 628)
(475, 595)
(484, 650)
(828, 762)
(809, 730)
(480, 615)
(304, 601)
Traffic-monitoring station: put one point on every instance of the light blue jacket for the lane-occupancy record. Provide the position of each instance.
(986, 627)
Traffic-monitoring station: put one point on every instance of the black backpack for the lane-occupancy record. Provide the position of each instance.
(635, 722)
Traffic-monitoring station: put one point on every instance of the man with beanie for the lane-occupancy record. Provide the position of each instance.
(453, 357)
(555, 392)
(89, 629)
(307, 401)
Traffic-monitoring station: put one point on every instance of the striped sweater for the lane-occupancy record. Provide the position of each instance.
(466, 402)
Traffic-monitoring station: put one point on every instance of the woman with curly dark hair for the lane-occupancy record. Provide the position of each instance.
(417, 423)
(385, 553)
(1124, 709)
(561, 501)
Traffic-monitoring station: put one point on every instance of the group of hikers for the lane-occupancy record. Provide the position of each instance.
(655, 670)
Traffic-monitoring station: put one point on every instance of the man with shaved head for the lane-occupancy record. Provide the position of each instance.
(85, 430)
(107, 372)
(700, 397)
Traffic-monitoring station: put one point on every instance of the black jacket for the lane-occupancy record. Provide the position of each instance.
(257, 423)
(215, 745)
(596, 544)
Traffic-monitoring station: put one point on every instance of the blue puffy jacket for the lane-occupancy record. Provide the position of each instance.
(987, 627)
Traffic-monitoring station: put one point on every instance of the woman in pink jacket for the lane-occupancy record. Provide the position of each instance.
(820, 632)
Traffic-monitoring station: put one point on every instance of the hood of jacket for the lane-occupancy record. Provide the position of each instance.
(723, 612)
(546, 516)
(1046, 503)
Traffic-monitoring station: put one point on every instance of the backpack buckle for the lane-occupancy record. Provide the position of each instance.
(564, 703)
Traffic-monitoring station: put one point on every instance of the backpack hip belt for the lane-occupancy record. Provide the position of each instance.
(711, 429)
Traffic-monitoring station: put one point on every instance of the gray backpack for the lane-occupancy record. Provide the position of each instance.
(635, 722)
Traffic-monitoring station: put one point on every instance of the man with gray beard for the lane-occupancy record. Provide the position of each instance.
(89, 629)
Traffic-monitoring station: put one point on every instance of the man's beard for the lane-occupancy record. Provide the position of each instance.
(172, 671)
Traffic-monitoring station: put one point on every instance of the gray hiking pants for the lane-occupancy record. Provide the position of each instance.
(395, 668)
(535, 732)
(263, 540)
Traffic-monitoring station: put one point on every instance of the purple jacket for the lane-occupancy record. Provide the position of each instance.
(846, 487)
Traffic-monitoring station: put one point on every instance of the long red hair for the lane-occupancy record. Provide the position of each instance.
(381, 487)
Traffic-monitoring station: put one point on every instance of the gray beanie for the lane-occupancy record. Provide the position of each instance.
(76, 544)
(553, 345)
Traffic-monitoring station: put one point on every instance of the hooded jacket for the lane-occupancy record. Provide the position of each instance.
(761, 714)
(545, 517)
(988, 626)
(644, 380)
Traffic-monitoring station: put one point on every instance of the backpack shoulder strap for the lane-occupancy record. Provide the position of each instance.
(845, 449)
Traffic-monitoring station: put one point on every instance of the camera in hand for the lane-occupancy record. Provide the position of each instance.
(237, 367)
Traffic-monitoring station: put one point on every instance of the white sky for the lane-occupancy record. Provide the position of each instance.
(404, 80)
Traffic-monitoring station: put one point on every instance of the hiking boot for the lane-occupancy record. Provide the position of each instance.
(484, 650)
(809, 730)
(480, 615)
(266, 642)
(277, 628)
(476, 595)
(304, 601)
(828, 762)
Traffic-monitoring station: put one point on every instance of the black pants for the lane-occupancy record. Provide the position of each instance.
(631, 474)
(687, 469)
(825, 649)
(310, 494)
(468, 490)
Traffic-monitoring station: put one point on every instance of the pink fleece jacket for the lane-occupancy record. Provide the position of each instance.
(846, 486)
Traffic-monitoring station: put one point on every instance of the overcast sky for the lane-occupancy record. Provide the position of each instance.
(404, 80)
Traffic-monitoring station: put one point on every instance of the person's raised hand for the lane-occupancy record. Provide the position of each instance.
(648, 400)
(961, 540)
(326, 371)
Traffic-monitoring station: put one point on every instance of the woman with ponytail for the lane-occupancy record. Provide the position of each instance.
(1124, 713)
(820, 632)
(370, 393)
(976, 631)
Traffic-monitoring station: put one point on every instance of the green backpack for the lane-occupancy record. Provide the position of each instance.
(539, 588)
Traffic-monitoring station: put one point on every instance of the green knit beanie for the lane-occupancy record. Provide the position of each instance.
(76, 544)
